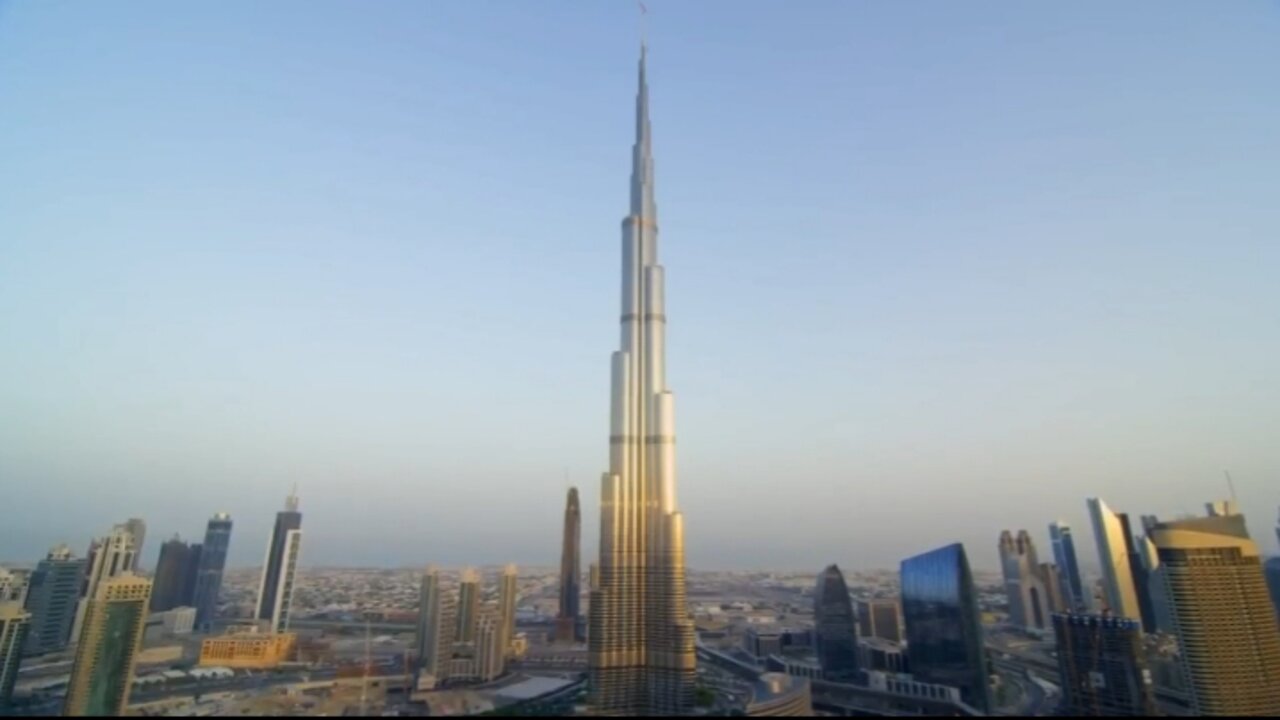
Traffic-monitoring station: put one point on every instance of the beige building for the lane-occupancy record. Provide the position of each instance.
(114, 620)
(1211, 574)
(249, 650)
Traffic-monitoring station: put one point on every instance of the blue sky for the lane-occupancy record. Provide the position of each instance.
(934, 269)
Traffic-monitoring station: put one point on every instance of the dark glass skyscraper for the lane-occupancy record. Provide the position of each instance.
(1271, 571)
(944, 629)
(1064, 554)
(213, 560)
(1141, 578)
(835, 631)
(1103, 670)
(275, 590)
(171, 576)
(52, 596)
(569, 622)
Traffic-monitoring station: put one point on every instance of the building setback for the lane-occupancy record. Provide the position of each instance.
(640, 653)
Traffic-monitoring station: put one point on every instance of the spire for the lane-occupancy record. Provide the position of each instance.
(291, 502)
(642, 153)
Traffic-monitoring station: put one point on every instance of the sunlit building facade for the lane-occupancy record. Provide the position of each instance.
(1222, 615)
(107, 651)
(640, 649)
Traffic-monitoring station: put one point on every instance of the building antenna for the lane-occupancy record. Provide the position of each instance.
(1232, 487)
(644, 24)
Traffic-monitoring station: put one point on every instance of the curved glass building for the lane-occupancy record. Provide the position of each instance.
(835, 633)
(944, 631)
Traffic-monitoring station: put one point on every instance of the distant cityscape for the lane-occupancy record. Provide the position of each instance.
(1183, 617)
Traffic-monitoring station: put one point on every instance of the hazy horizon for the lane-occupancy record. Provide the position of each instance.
(932, 271)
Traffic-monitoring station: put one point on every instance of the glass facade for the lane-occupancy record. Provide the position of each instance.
(277, 562)
(213, 559)
(1064, 554)
(944, 629)
(1102, 668)
(1271, 570)
(835, 629)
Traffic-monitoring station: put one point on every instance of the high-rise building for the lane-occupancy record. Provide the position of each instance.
(52, 599)
(508, 597)
(14, 626)
(1120, 595)
(213, 560)
(468, 606)
(1141, 579)
(569, 621)
(457, 645)
(1023, 585)
(13, 586)
(428, 616)
(641, 640)
(190, 576)
(881, 617)
(170, 579)
(1102, 667)
(138, 529)
(944, 628)
(108, 557)
(1227, 630)
(275, 590)
(1054, 595)
(102, 674)
(1064, 554)
(1271, 572)
(834, 626)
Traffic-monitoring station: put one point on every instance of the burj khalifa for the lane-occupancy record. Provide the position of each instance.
(641, 640)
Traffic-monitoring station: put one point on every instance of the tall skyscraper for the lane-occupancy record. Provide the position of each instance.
(428, 619)
(1271, 571)
(171, 575)
(1055, 598)
(1064, 554)
(108, 557)
(569, 621)
(1121, 596)
(1102, 666)
(457, 644)
(641, 640)
(138, 529)
(880, 618)
(1141, 584)
(14, 626)
(1023, 584)
(834, 627)
(107, 652)
(508, 592)
(52, 598)
(213, 560)
(1226, 627)
(944, 628)
(468, 606)
(275, 590)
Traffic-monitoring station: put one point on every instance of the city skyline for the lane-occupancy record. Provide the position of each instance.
(1083, 307)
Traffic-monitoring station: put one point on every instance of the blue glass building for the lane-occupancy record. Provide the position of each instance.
(1064, 554)
(835, 628)
(213, 560)
(944, 629)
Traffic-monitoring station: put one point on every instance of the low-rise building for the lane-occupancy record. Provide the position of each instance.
(255, 651)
